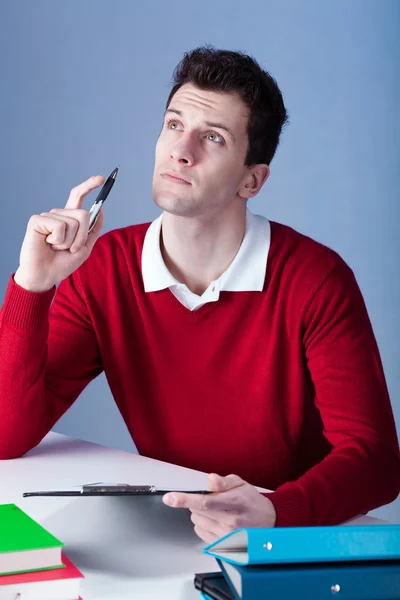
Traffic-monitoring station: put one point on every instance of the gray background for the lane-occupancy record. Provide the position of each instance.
(84, 85)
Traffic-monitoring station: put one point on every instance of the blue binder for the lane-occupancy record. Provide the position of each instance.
(307, 544)
(359, 580)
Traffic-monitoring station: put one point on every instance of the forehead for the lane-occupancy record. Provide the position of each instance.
(226, 106)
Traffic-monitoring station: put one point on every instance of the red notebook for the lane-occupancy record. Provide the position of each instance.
(43, 585)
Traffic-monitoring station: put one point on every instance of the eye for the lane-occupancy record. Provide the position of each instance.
(214, 137)
(172, 124)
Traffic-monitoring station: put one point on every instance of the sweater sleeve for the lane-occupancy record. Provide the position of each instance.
(48, 354)
(362, 471)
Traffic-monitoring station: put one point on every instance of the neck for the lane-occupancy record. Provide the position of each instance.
(197, 251)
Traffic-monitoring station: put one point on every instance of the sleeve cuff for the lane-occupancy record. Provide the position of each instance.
(26, 310)
(290, 506)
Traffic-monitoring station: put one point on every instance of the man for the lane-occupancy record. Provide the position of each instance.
(231, 344)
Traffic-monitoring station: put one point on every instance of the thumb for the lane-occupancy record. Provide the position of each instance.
(216, 483)
(96, 231)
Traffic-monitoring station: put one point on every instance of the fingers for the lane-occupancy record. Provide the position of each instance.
(54, 228)
(76, 229)
(182, 500)
(230, 519)
(68, 229)
(91, 238)
(214, 527)
(78, 193)
(201, 502)
(204, 521)
(225, 496)
(62, 231)
(94, 234)
(205, 535)
(216, 483)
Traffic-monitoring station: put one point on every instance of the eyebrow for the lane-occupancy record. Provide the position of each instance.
(208, 123)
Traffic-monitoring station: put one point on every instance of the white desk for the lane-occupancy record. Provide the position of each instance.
(127, 547)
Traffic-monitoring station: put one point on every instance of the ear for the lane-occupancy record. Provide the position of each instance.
(254, 180)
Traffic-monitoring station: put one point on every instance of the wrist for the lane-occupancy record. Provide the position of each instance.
(272, 514)
(31, 286)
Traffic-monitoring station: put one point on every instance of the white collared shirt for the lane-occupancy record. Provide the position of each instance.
(245, 273)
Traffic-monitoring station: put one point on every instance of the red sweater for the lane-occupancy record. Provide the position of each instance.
(283, 387)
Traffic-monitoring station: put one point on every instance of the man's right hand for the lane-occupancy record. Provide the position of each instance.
(56, 243)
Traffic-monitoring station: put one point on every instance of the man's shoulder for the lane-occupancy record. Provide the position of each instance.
(303, 259)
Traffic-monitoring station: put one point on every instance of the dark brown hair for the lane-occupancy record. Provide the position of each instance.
(229, 71)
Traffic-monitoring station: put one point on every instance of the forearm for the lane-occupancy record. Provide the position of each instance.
(362, 471)
(23, 355)
(48, 354)
(351, 480)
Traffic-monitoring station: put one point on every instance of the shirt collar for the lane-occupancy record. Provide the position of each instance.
(246, 272)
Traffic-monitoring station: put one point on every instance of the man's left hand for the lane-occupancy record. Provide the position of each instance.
(234, 503)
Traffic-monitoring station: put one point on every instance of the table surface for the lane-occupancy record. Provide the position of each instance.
(126, 547)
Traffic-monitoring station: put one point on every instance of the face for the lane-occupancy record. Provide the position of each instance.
(200, 153)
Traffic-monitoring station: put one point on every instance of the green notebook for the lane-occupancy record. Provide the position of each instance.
(24, 544)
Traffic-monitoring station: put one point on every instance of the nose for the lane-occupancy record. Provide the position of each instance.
(183, 151)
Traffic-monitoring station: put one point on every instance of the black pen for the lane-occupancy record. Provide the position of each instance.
(101, 198)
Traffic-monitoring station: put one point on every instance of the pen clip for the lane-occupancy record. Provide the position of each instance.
(117, 487)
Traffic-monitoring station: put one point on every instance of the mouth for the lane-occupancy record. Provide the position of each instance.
(175, 178)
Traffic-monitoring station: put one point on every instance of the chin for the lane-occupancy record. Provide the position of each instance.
(174, 205)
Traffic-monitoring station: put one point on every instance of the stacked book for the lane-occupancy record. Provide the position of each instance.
(359, 562)
(32, 563)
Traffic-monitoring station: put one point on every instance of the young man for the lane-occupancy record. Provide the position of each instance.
(231, 344)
